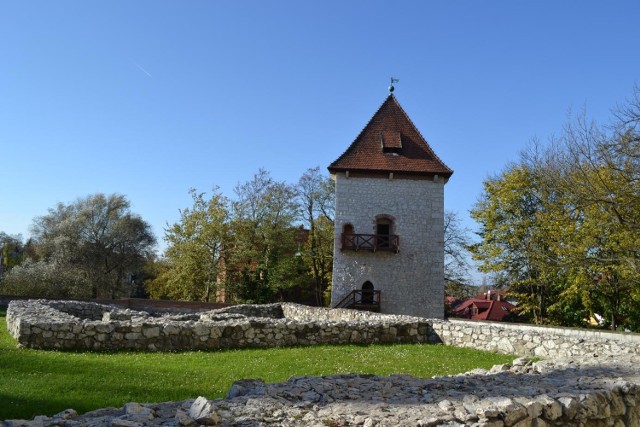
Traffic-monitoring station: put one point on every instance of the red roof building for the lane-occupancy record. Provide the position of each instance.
(484, 309)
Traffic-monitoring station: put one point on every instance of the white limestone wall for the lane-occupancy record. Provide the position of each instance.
(411, 281)
(72, 325)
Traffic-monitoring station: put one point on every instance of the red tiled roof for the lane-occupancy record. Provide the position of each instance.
(390, 142)
(473, 302)
(497, 311)
(487, 309)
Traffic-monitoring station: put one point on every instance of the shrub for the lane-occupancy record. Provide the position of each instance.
(40, 279)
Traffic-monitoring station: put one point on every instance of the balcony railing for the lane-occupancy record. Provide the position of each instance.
(371, 242)
(368, 300)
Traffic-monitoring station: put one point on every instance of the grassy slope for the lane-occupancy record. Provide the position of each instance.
(34, 382)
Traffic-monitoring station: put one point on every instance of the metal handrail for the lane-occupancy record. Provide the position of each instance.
(346, 302)
(360, 297)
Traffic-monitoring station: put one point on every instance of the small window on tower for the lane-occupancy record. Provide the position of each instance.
(347, 229)
(391, 142)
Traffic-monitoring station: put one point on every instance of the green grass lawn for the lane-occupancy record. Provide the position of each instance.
(36, 382)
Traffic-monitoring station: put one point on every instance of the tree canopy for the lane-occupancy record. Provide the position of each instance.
(272, 238)
(563, 224)
(195, 255)
(316, 206)
(88, 248)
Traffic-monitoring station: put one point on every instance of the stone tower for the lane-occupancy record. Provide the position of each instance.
(389, 220)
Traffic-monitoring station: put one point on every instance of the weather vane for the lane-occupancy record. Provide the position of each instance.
(393, 80)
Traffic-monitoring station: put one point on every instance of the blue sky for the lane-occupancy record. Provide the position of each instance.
(151, 98)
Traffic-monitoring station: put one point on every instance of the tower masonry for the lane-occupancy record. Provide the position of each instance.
(389, 219)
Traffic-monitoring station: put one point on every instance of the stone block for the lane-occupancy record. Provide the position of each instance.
(150, 331)
(570, 407)
(182, 418)
(170, 329)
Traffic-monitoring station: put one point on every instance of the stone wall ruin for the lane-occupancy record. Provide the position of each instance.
(588, 378)
(75, 325)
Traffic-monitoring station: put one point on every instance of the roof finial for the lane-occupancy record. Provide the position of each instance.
(391, 88)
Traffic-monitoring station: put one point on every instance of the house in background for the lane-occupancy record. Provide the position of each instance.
(389, 219)
(489, 306)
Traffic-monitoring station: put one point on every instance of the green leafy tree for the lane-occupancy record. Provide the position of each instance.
(195, 257)
(97, 238)
(264, 239)
(317, 255)
(507, 213)
(252, 249)
(316, 194)
(602, 250)
(563, 224)
(597, 169)
(521, 229)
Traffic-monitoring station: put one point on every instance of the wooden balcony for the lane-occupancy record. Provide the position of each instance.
(371, 242)
(367, 300)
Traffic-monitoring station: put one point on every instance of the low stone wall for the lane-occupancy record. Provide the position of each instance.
(78, 325)
(593, 392)
(142, 304)
(73, 325)
(531, 340)
(588, 377)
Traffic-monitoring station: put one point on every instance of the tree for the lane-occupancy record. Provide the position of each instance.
(252, 249)
(264, 239)
(601, 172)
(44, 279)
(515, 231)
(456, 241)
(97, 237)
(11, 252)
(195, 257)
(316, 195)
(563, 224)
